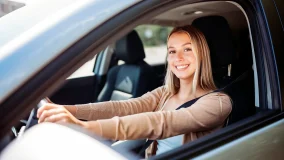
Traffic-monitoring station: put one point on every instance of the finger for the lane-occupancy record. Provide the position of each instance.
(47, 106)
(57, 117)
(62, 121)
(41, 109)
(48, 113)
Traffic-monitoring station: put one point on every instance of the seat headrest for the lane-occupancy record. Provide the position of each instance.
(219, 38)
(130, 48)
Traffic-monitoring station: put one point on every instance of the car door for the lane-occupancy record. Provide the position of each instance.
(270, 102)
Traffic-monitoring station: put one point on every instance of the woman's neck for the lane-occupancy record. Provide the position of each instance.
(186, 91)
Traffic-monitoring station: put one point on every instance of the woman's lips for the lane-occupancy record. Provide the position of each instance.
(182, 67)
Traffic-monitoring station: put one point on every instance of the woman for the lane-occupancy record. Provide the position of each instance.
(153, 115)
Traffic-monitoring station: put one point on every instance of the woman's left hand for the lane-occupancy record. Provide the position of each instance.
(56, 113)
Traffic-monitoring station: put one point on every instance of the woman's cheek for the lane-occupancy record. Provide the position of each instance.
(191, 59)
(172, 67)
(170, 62)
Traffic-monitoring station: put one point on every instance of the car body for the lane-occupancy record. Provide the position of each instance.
(55, 40)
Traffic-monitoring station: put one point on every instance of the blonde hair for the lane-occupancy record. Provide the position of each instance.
(203, 73)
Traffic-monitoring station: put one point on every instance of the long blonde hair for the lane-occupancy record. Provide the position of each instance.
(203, 73)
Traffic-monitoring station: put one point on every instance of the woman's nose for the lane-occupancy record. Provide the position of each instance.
(179, 56)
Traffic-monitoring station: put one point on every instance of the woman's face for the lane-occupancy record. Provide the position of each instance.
(181, 59)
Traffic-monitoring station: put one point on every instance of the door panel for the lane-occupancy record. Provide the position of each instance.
(266, 143)
(79, 90)
(75, 91)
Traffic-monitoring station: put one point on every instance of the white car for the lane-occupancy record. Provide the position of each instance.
(76, 51)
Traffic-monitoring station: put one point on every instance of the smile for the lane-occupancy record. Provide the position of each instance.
(182, 67)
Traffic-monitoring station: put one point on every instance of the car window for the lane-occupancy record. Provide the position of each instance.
(85, 70)
(154, 39)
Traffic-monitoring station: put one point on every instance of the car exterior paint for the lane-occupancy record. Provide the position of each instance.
(262, 144)
(76, 20)
(48, 38)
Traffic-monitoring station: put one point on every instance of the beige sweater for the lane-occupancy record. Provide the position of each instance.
(141, 118)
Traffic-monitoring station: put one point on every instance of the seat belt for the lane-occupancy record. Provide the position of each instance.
(185, 105)
(191, 102)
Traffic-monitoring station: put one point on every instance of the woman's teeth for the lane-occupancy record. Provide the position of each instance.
(182, 67)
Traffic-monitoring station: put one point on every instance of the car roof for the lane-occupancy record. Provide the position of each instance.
(44, 37)
(26, 17)
(185, 14)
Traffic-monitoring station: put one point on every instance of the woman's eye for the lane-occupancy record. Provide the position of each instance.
(171, 52)
(187, 49)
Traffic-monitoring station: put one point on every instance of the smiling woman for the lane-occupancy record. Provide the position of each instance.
(187, 47)
(154, 115)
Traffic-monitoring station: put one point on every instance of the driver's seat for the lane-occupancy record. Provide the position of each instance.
(132, 79)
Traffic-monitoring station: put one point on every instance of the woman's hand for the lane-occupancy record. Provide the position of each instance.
(58, 114)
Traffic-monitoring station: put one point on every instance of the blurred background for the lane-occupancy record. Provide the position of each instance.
(154, 39)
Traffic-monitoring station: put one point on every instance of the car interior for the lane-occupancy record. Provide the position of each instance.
(134, 77)
(121, 71)
(226, 30)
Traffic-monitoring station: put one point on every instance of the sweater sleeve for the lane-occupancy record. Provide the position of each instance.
(207, 113)
(104, 110)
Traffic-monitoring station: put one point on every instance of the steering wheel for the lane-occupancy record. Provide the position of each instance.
(32, 120)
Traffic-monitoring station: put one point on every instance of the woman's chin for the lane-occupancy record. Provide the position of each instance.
(184, 77)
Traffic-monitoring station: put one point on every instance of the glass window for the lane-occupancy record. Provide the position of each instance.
(154, 39)
(85, 70)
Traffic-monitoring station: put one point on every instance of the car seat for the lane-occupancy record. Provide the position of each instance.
(132, 79)
(223, 58)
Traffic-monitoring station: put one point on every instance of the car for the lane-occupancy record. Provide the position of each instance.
(44, 44)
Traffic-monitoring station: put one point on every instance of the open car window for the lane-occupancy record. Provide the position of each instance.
(243, 63)
(242, 66)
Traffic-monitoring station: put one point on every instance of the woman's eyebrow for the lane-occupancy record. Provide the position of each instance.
(186, 43)
(181, 45)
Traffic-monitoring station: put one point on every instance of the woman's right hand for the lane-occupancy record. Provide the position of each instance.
(55, 113)
(51, 112)
(71, 109)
